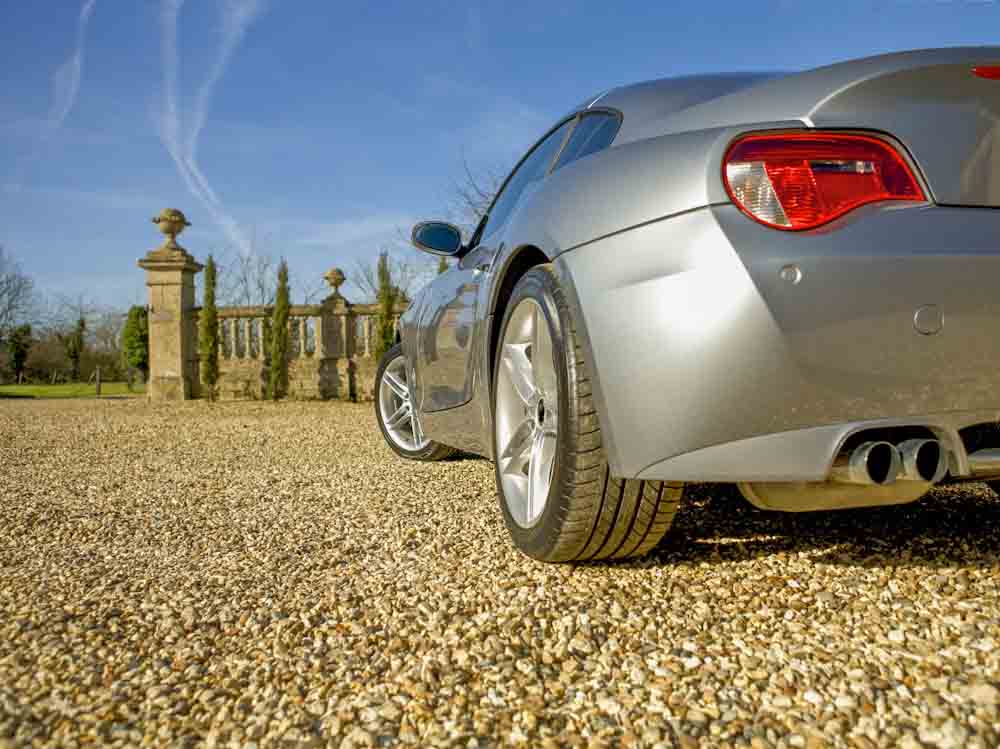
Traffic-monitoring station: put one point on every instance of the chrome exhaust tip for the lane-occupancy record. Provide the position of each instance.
(870, 463)
(923, 460)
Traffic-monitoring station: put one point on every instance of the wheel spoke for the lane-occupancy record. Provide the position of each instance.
(402, 414)
(547, 449)
(518, 366)
(418, 436)
(536, 488)
(398, 387)
(518, 450)
(541, 356)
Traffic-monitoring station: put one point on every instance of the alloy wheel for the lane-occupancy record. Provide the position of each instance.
(396, 407)
(527, 413)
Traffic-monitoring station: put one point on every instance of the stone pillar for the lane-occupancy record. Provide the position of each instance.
(331, 343)
(173, 339)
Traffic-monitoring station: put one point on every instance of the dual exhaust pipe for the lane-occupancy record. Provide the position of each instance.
(880, 463)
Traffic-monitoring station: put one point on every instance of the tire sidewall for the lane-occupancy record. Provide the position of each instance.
(540, 285)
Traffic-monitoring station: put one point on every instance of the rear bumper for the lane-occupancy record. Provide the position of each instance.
(710, 366)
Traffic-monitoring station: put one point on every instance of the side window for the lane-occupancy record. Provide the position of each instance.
(594, 133)
(531, 170)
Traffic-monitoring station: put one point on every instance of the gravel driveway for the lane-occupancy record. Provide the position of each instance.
(247, 572)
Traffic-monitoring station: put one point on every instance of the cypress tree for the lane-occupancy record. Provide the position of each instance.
(388, 295)
(135, 340)
(277, 384)
(208, 338)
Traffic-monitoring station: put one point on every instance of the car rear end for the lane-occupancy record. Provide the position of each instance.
(844, 277)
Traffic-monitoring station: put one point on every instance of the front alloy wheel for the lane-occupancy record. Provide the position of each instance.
(397, 417)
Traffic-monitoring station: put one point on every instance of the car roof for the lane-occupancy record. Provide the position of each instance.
(657, 98)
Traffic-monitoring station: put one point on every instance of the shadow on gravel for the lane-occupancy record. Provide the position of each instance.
(953, 525)
(461, 455)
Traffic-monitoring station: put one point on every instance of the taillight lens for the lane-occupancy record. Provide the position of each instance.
(797, 181)
(989, 72)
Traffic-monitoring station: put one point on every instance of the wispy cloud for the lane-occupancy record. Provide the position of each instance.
(65, 89)
(66, 81)
(237, 15)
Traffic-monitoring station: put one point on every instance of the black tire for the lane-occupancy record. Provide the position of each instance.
(589, 514)
(432, 450)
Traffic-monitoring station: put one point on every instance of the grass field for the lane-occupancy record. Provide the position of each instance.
(70, 390)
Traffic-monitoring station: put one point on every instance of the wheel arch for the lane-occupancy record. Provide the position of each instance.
(519, 262)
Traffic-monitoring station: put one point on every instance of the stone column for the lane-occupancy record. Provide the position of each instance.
(173, 339)
(331, 343)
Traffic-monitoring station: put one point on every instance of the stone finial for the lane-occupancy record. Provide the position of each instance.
(335, 277)
(171, 222)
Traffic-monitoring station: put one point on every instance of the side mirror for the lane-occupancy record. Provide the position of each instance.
(437, 238)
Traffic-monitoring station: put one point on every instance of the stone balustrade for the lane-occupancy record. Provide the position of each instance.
(331, 350)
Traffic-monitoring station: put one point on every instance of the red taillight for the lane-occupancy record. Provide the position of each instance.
(797, 181)
(991, 72)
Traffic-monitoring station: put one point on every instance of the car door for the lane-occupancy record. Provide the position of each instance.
(453, 305)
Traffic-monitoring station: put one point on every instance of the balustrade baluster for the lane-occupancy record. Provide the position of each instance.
(247, 350)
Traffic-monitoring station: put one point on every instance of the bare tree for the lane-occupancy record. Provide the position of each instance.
(65, 309)
(106, 330)
(251, 279)
(407, 274)
(473, 194)
(16, 293)
(247, 279)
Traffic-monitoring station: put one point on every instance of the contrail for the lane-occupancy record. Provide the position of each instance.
(237, 15)
(66, 81)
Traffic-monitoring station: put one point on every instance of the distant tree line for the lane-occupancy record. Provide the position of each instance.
(58, 338)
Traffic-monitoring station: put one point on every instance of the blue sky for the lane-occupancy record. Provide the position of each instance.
(331, 124)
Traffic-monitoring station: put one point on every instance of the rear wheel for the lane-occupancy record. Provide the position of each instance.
(558, 498)
(397, 416)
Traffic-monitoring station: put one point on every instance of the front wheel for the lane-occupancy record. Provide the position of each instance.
(558, 498)
(397, 416)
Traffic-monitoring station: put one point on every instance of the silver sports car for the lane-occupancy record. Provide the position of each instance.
(787, 282)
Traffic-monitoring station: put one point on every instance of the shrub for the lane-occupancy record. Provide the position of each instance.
(135, 340)
(74, 343)
(18, 345)
(208, 338)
